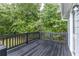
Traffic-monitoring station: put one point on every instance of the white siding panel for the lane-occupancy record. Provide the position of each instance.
(77, 33)
(70, 40)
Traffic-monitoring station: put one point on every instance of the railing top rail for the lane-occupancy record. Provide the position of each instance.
(55, 32)
(10, 35)
(13, 35)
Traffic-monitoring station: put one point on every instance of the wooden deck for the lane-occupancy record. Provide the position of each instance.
(40, 48)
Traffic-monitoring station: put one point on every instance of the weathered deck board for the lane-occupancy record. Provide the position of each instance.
(61, 51)
(41, 48)
(23, 50)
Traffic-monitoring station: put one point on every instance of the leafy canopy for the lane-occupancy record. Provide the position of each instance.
(20, 18)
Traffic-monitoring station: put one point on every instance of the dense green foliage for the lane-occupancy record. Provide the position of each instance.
(17, 18)
(20, 18)
(51, 19)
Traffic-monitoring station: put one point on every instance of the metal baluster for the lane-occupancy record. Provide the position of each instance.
(6, 42)
(3, 41)
(9, 42)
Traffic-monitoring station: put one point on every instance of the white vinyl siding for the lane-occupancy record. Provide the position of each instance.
(70, 33)
(76, 22)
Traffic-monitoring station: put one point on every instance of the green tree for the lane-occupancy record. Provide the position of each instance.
(17, 18)
(51, 19)
(26, 17)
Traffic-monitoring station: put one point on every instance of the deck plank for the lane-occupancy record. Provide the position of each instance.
(24, 49)
(53, 50)
(41, 48)
(32, 51)
(56, 49)
(59, 49)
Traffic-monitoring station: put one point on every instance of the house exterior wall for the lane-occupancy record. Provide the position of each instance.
(73, 30)
(73, 26)
(76, 29)
(70, 33)
(65, 9)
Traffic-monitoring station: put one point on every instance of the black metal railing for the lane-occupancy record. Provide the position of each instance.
(11, 41)
(55, 36)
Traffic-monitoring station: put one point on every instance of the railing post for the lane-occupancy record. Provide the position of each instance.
(3, 50)
(27, 38)
(50, 37)
(39, 35)
(66, 38)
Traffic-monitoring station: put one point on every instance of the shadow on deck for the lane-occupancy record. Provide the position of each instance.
(40, 48)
